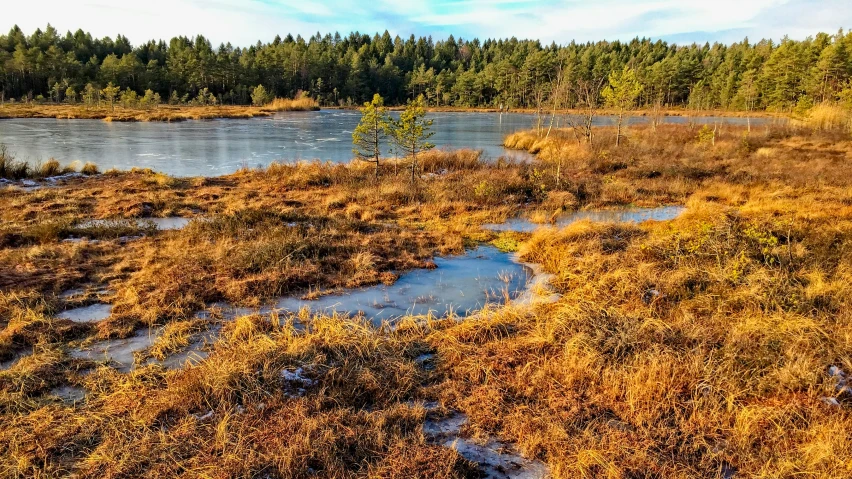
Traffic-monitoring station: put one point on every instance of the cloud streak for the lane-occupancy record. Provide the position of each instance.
(245, 22)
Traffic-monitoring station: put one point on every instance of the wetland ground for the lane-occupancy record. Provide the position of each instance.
(715, 343)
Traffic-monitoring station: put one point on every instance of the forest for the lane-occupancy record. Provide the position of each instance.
(783, 76)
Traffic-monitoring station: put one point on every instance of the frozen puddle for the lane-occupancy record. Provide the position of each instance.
(14, 359)
(122, 353)
(118, 351)
(68, 393)
(162, 224)
(496, 459)
(194, 353)
(459, 286)
(87, 314)
(623, 215)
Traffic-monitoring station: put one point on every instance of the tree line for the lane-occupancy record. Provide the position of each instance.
(497, 73)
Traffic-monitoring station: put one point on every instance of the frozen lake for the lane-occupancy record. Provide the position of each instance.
(218, 147)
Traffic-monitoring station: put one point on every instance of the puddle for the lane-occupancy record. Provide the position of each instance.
(459, 285)
(194, 353)
(227, 312)
(11, 362)
(87, 314)
(71, 293)
(173, 223)
(162, 224)
(496, 458)
(69, 393)
(119, 351)
(538, 290)
(622, 215)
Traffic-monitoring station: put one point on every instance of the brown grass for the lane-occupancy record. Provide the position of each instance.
(159, 113)
(689, 348)
(303, 103)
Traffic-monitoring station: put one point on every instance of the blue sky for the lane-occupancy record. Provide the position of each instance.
(243, 22)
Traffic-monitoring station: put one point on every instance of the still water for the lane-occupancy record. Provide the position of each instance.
(218, 147)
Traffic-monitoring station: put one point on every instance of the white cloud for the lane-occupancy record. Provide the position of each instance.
(245, 22)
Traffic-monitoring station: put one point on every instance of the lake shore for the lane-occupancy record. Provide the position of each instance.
(546, 113)
(159, 113)
(173, 113)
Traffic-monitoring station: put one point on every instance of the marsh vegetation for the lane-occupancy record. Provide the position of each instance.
(709, 344)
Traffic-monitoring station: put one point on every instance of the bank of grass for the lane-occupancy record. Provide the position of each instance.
(303, 103)
(168, 113)
(691, 348)
(14, 169)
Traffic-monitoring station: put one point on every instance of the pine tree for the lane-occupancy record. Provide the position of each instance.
(110, 93)
(373, 129)
(412, 132)
(621, 94)
(259, 97)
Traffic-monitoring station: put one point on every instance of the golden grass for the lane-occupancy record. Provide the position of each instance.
(829, 117)
(303, 103)
(166, 113)
(703, 329)
(689, 348)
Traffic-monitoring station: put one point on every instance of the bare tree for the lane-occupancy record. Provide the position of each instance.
(588, 94)
(555, 99)
(656, 113)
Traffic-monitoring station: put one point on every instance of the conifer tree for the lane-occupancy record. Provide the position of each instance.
(110, 93)
(411, 134)
(621, 95)
(373, 129)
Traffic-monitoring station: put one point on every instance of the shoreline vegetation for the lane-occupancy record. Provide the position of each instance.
(672, 350)
(168, 113)
(159, 112)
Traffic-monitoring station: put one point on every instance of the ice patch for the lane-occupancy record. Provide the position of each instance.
(87, 314)
(624, 215)
(496, 458)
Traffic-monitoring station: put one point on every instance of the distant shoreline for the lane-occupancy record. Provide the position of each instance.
(163, 113)
(667, 112)
(172, 113)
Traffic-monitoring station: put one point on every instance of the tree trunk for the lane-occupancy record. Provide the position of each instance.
(618, 129)
(377, 169)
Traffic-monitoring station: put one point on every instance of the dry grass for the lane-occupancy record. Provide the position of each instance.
(690, 340)
(830, 117)
(689, 348)
(303, 103)
(158, 113)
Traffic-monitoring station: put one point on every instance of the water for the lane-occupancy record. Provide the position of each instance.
(87, 314)
(217, 147)
(459, 285)
(162, 224)
(69, 393)
(622, 215)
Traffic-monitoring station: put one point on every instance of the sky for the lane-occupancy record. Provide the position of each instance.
(244, 22)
